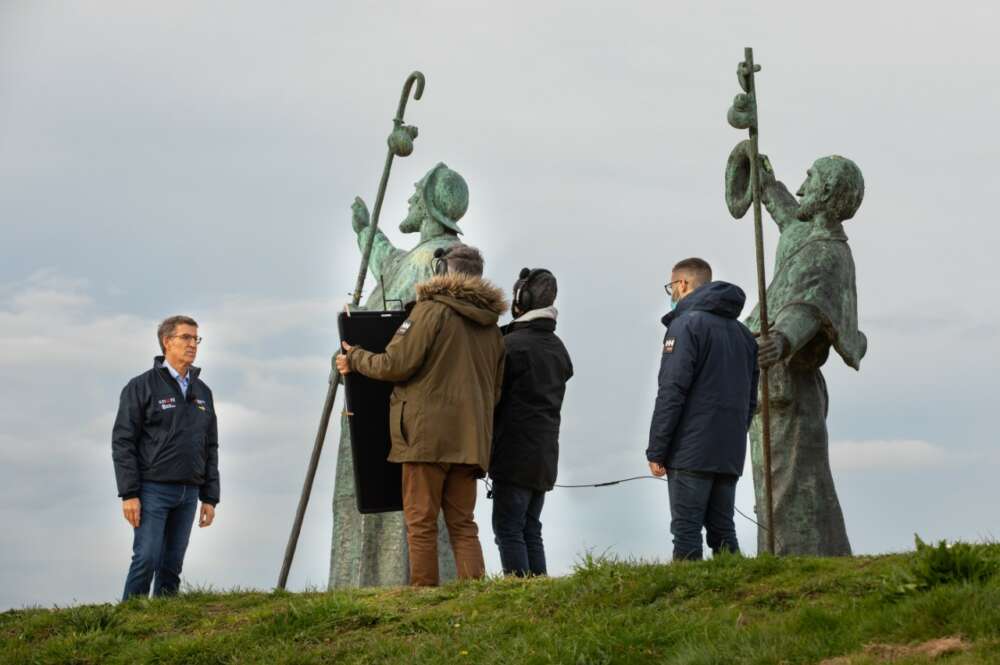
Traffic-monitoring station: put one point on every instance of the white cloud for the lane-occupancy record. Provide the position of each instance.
(889, 455)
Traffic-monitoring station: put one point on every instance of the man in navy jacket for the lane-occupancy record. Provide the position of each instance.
(165, 447)
(706, 399)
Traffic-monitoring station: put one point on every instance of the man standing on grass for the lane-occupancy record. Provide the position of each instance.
(165, 447)
(446, 362)
(706, 400)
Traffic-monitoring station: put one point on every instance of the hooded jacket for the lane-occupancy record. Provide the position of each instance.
(526, 422)
(446, 361)
(161, 436)
(707, 384)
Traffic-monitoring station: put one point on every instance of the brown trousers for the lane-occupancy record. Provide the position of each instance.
(429, 488)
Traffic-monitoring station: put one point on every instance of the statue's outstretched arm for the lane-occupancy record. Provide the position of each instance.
(780, 203)
(383, 251)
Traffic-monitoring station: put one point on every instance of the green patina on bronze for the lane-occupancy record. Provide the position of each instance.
(812, 307)
(370, 550)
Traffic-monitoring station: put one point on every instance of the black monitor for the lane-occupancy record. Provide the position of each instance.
(377, 481)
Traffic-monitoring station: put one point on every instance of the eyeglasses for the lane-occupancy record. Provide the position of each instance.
(669, 287)
(187, 339)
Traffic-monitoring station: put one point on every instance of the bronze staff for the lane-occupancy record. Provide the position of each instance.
(743, 115)
(401, 144)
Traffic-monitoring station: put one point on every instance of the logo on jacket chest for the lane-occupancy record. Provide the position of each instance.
(201, 404)
(167, 403)
(668, 344)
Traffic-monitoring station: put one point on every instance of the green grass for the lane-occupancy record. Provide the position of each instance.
(729, 610)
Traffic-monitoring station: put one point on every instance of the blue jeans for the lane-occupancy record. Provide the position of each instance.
(518, 529)
(166, 516)
(702, 500)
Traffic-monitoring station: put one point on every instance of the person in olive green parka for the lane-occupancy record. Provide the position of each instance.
(446, 361)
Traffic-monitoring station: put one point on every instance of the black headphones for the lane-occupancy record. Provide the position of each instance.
(523, 299)
(440, 262)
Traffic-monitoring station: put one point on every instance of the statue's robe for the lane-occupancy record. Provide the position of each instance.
(371, 550)
(814, 276)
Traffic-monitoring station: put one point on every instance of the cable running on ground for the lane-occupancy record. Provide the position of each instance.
(609, 483)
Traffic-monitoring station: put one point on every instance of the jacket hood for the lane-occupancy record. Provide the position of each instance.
(544, 313)
(548, 325)
(721, 298)
(472, 297)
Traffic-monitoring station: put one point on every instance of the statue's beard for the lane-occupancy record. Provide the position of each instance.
(411, 224)
(808, 207)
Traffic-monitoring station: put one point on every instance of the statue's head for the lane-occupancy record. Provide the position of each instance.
(834, 185)
(441, 197)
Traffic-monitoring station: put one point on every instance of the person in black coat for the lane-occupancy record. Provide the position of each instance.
(525, 457)
(706, 399)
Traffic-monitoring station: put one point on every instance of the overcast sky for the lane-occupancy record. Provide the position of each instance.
(201, 157)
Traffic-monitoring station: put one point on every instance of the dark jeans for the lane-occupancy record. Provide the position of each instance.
(702, 500)
(166, 517)
(518, 531)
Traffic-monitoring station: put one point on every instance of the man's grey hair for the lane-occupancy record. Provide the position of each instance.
(169, 325)
(466, 260)
(698, 269)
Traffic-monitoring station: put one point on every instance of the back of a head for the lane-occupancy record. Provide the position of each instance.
(539, 285)
(698, 271)
(463, 259)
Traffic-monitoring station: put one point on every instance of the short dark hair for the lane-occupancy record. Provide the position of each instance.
(169, 325)
(699, 270)
(465, 259)
(543, 287)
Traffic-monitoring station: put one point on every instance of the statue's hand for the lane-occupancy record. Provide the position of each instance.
(359, 215)
(772, 350)
(767, 178)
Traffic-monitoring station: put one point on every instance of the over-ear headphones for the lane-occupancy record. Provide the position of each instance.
(523, 298)
(440, 261)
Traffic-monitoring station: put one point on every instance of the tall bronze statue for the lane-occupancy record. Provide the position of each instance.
(814, 306)
(809, 307)
(370, 550)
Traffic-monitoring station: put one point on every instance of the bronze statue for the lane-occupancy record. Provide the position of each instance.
(814, 306)
(809, 306)
(370, 550)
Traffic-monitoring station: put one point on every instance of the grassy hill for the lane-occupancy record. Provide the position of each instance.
(896, 608)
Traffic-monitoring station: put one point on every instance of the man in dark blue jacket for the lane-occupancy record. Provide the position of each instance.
(165, 447)
(706, 399)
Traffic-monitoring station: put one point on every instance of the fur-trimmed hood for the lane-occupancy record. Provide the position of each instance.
(472, 297)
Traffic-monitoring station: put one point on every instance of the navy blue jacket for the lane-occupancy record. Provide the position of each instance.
(160, 435)
(708, 384)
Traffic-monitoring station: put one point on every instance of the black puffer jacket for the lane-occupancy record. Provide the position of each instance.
(526, 421)
(162, 437)
(708, 384)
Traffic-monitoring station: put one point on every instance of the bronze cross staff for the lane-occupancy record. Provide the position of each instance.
(401, 144)
(743, 115)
